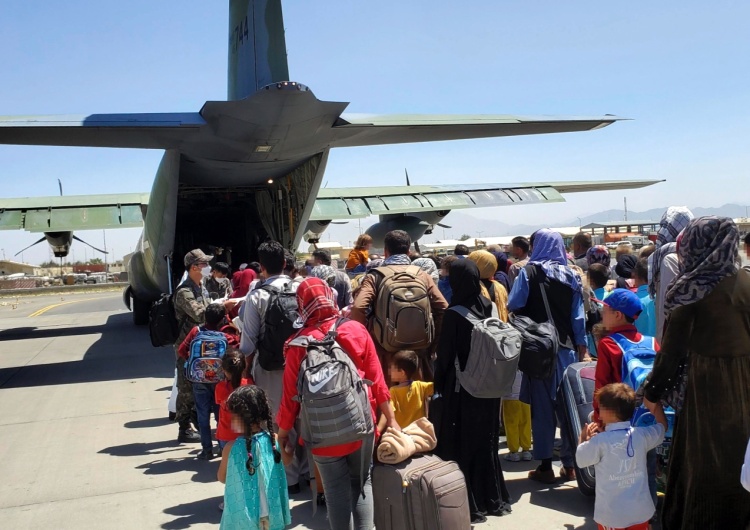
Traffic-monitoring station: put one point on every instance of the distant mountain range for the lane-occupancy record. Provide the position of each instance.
(462, 223)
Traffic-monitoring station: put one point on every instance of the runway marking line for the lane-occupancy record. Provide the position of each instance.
(53, 306)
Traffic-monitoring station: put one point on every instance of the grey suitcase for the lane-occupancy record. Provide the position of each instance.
(421, 493)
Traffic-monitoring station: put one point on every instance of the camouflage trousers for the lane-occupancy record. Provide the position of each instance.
(185, 400)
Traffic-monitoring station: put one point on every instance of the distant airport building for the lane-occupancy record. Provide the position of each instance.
(8, 267)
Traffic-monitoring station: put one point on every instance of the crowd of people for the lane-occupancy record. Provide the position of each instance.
(686, 296)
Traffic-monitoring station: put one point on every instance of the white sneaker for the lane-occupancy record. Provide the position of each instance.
(526, 456)
(513, 457)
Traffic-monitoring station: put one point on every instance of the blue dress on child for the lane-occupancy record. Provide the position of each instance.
(241, 493)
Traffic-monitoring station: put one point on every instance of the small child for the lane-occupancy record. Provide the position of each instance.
(359, 255)
(409, 396)
(517, 421)
(233, 364)
(646, 322)
(204, 393)
(255, 496)
(598, 276)
(618, 454)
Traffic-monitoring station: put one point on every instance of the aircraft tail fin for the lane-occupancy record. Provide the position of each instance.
(257, 47)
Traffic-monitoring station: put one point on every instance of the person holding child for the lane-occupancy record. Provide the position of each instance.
(618, 454)
(359, 255)
(255, 493)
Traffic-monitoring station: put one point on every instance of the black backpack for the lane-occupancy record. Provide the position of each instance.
(538, 357)
(162, 323)
(279, 319)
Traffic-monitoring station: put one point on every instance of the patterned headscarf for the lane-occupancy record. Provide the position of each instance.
(316, 302)
(674, 220)
(708, 250)
(374, 264)
(325, 273)
(427, 265)
(598, 254)
(549, 253)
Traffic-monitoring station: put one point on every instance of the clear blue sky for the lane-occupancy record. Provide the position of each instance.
(679, 70)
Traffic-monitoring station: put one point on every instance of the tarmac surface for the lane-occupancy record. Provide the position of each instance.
(86, 442)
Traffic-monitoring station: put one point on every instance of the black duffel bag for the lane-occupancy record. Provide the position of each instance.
(538, 357)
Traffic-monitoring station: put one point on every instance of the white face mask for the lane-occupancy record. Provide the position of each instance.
(206, 271)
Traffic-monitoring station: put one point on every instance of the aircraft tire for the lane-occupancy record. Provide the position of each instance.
(140, 312)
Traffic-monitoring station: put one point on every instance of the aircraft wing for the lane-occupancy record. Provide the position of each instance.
(73, 212)
(352, 203)
(144, 131)
(353, 130)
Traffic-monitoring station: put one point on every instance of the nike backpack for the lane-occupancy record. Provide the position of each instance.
(402, 317)
(204, 360)
(493, 357)
(637, 358)
(334, 406)
(281, 313)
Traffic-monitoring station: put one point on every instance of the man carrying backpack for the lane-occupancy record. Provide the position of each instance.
(190, 304)
(400, 305)
(268, 321)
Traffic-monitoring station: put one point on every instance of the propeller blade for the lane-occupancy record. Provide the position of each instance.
(27, 248)
(407, 177)
(441, 225)
(59, 185)
(90, 245)
(339, 222)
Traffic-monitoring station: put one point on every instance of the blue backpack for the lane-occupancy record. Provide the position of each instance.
(637, 359)
(204, 362)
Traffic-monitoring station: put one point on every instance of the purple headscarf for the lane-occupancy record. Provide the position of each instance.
(549, 253)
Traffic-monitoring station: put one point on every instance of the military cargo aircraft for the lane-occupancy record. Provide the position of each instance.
(256, 162)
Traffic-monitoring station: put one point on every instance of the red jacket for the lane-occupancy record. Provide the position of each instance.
(356, 341)
(233, 340)
(609, 361)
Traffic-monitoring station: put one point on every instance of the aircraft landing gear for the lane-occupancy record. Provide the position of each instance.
(140, 312)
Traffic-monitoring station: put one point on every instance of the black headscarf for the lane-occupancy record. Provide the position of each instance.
(501, 275)
(625, 266)
(464, 281)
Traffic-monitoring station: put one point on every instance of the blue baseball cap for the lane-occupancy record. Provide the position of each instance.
(624, 301)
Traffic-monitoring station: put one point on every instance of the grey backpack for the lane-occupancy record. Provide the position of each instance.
(493, 357)
(334, 407)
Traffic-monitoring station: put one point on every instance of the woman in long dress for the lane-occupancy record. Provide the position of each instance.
(708, 327)
(468, 429)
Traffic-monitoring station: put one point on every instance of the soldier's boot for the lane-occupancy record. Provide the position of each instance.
(187, 435)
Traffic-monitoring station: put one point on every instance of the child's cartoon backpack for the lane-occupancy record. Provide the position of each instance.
(204, 361)
(334, 406)
(637, 359)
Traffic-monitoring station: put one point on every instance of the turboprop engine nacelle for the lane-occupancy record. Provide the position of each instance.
(314, 230)
(414, 224)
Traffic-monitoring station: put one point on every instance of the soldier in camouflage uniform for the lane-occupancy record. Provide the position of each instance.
(190, 302)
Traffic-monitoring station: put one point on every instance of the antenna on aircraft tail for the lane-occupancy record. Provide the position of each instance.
(407, 177)
(59, 185)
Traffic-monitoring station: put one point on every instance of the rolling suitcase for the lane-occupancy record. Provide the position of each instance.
(421, 493)
(576, 394)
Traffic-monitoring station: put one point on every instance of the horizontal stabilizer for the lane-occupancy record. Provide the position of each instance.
(145, 131)
(352, 130)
